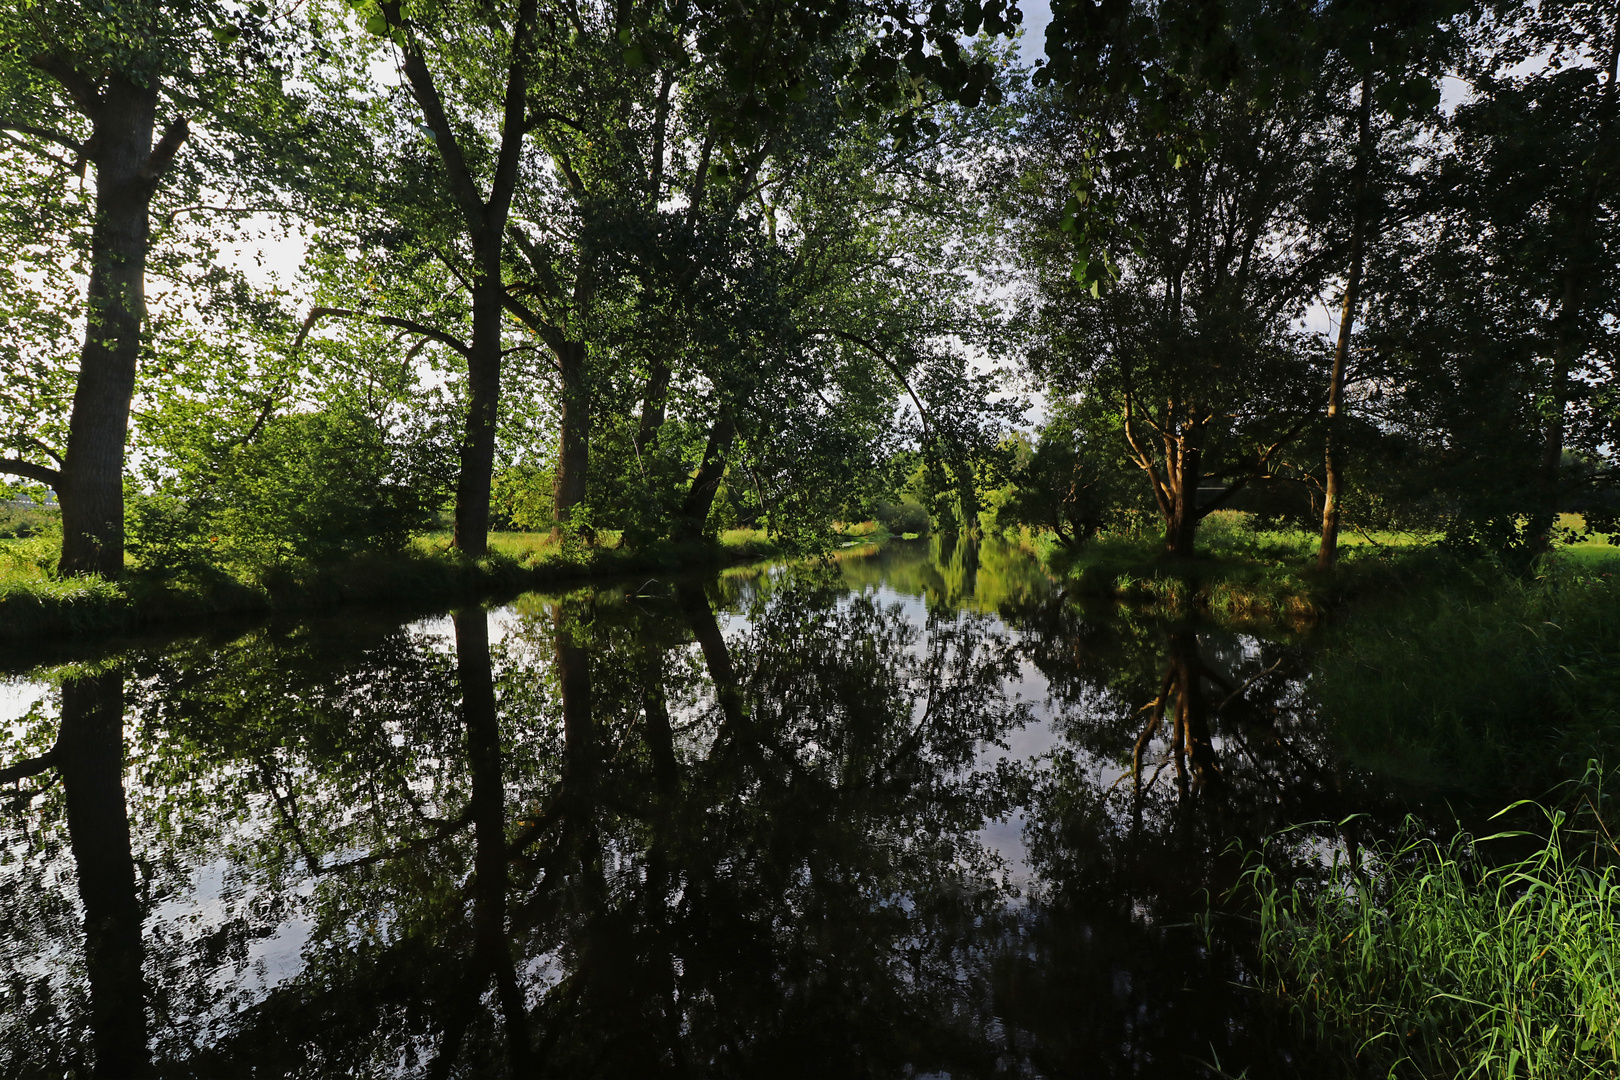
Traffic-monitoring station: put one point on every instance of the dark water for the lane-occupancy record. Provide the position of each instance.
(874, 819)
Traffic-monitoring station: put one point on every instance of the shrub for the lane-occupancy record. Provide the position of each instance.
(313, 488)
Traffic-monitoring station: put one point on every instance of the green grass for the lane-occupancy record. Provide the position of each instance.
(35, 604)
(1430, 962)
(1486, 682)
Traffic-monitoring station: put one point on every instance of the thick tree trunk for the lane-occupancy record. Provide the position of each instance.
(90, 757)
(694, 513)
(653, 397)
(488, 810)
(127, 167)
(1182, 474)
(574, 436)
(483, 403)
(1333, 482)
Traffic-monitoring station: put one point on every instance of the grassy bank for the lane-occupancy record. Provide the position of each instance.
(34, 604)
(1429, 960)
(1246, 572)
(1494, 684)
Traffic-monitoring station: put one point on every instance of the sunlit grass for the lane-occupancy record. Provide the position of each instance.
(1429, 961)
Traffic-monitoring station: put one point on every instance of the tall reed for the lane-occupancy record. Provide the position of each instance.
(1428, 961)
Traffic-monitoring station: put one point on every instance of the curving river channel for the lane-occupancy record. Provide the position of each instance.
(876, 818)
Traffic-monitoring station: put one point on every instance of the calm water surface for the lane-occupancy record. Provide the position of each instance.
(874, 819)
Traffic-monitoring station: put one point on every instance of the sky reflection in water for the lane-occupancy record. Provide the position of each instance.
(872, 819)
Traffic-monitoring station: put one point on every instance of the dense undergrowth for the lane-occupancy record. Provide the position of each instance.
(1434, 960)
(1491, 683)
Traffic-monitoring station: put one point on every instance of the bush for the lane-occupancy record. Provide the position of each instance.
(313, 488)
(906, 516)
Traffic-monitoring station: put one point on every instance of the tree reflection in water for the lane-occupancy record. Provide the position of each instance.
(721, 829)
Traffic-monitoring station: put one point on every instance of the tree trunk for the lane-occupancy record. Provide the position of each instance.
(127, 167)
(1552, 445)
(694, 513)
(483, 402)
(1183, 471)
(652, 404)
(574, 436)
(90, 759)
(1333, 483)
(488, 811)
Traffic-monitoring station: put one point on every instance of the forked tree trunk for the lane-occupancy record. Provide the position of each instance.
(1333, 466)
(1183, 472)
(127, 168)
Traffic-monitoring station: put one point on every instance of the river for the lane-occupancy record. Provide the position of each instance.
(879, 817)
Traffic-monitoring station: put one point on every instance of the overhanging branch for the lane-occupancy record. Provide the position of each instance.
(316, 314)
(18, 467)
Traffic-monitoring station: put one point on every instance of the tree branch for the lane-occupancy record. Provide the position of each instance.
(79, 88)
(426, 92)
(43, 133)
(163, 153)
(440, 336)
(18, 467)
(31, 767)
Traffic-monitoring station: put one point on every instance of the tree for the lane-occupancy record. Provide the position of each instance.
(1189, 336)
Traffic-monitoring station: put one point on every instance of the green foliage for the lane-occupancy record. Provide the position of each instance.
(902, 517)
(312, 488)
(520, 498)
(1078, 480)
(1433, 960)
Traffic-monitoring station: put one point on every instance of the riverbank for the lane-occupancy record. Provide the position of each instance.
(1244, 575)
(35, 605)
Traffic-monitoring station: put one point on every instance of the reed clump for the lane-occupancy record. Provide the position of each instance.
(1428, 961)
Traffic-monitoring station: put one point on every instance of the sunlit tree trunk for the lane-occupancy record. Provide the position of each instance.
(1333, 466)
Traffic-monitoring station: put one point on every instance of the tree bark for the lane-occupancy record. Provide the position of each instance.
(1333, 467)
(90, 757)
(574, 435)
(128, 167)
(477, 464)
(1183, 471)
(653, 397)
(699, 499)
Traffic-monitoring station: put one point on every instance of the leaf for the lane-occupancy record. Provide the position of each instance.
(634, 57)
(377, 24)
